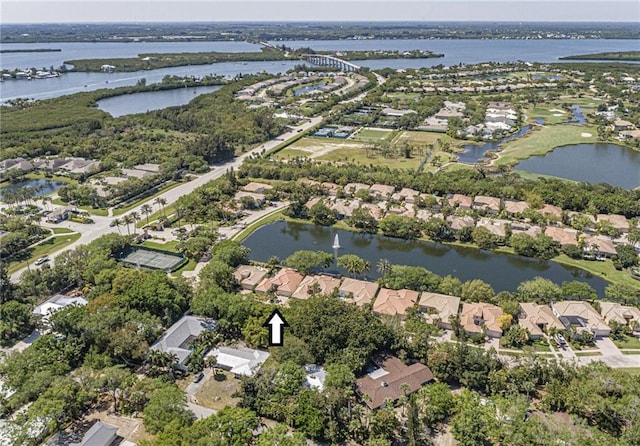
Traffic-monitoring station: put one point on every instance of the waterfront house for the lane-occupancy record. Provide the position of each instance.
(359, 292)
(316, 284)
(580, 316)
(537, 319)
(284, 283)
(622, 314)
(249, 276)
(478, 316)
(439, 308)
(394, 302)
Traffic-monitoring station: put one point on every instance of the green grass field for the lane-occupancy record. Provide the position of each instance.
(124, 209)
(373, 135)
(601, 269)
(289, 153)
(550, 117)
(359, 156)
(61, 231)
(544, 139)
(628, 342)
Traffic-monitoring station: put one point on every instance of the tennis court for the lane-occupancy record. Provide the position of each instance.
(151, 259)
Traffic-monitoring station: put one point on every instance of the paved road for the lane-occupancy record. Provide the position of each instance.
(102, 224)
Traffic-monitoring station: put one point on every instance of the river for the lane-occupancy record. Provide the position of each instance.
(456, 51)
(502, 271)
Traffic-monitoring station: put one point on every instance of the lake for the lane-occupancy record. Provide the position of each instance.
(456, 51)
(41, 186)
(473, 153)
(593, 163)
(152, 100)
(502, 271)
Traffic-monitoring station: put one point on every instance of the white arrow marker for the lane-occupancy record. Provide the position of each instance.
(276, 324)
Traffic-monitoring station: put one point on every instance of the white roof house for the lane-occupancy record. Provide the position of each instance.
(56, 303)
(315, 376)
(239, 361)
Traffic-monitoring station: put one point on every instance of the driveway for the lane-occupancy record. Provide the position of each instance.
(607, 347)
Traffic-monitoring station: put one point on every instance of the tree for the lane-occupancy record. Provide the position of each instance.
(412, 277)
(539, 289)
(16, 320)
(622, 292)
(469, 426)
(483, 238)
(231, 252)
(515, 336)
(308, 261)
(383, 266)
(117, 223)
(399, 226)
(146, 209)
(339, 376)
(626, 255)
(161, 202)
(166, 407)
(321, 214)
(288, 379)
(477, 290)
(438, 229)
(217, 274)
(354, 265)
(361, 218)
(115, 380)
(578, 290)
(278, 435)
(450, 285)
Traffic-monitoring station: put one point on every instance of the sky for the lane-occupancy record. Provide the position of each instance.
(95, 11)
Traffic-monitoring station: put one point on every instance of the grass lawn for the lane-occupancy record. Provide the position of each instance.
(61, 230)
(630, 352)
(603, 269)
(550, 117)
(43, 248)
(169, 246)
(124, 209)
(588, 353)
(189, 266)
(584, 102)
(216, 392)
(425, 138)
(542, 140)
(168, 210)
(290, 153)
(359, 156)
(269, 218)
(628, 342)
(372, 135)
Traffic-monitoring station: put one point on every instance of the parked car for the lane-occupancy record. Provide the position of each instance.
(198, 377)
(41, 260)
(561, 340)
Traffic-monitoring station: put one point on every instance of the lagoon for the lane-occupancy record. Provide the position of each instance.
(502, 271)
(128, 104)
(41, 187)
(592, 163)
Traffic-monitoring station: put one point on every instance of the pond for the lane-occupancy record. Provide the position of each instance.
(473, 153)
(308, 89)
(502, 271)
(152, 100)
(593, 163)
(577, 116)
(41, 187)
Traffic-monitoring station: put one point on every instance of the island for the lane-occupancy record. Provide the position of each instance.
(626, 56)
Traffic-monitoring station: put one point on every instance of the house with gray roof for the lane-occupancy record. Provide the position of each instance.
(178, 338)
(100, 434)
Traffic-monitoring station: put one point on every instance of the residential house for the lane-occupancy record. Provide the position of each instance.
(495, 226)
(256, 188)
(56, 303)
(601, 246)
(381, 191)
(490, 205)
(178, 338)
(389, 379)
(621, 124)
(359, 292)
(392, 112)
(148, 167)
(459, 222)
(331, 189)
(523, 228)
(622, 314)
(16, 164)
(460, 201)
(619, 222)
(100, 434)
(439, 308)
(551, 212)
(581, 316)
(344, 207)
(537, 319)
(627, 135)
(407, 195)
(394, 302)
(258, 199)
(284, 283)
(249, 276)
(478, 316)
(352, 188)
(515, 207)
(316, 284)
(375, 211)
(239, 361)
(563, 236)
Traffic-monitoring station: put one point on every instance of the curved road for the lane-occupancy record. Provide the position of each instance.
(102, 224)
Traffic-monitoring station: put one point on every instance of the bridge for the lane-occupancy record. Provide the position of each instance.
(330, 61)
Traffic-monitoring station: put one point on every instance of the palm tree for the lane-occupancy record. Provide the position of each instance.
(383, 266)
(161, 202)
(136, 217)
(146, 209)
(128, 219)
(116, 222)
